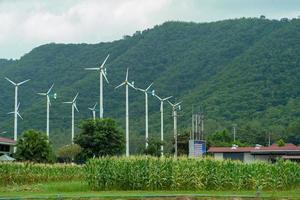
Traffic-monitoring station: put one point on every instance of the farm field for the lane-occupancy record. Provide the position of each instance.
(79, 189)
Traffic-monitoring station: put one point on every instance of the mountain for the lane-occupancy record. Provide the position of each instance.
(244, 71)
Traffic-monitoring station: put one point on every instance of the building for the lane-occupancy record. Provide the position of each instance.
(6, 146)
(258, 153)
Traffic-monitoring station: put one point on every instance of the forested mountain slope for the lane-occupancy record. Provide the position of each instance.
(243, 71)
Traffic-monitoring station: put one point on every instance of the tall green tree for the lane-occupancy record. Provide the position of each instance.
(34, 146)
(100, 137)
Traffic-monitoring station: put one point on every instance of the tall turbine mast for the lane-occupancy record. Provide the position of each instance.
(73, 107)
(93, 109)
(161, 119)
(174, 113)
(145, 91)
(126, 83)
(47, 94)
(16, 112)
(102, 73)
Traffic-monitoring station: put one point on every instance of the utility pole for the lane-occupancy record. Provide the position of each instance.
(234, 132)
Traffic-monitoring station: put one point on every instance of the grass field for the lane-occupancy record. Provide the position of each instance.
(77, 189)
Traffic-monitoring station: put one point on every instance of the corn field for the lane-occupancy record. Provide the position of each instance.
(28, 173)
(148, 173)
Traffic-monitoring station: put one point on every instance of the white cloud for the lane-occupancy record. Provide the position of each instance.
(27, 24)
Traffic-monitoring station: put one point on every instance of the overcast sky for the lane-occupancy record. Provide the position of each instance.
(28, 24)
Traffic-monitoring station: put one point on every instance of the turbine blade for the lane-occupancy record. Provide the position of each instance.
(91, 109)
(92, 68)
(178, 103)
(140, 89)
(10, 81)
(75, 107)
(170, 103)
(149, 87)
(43, 94)
(10, 112)
(158, 97)
(126, 79)
(104, 76)
(75, 97)
(19, 115)
(18, 106)
(68, 102)
(104, 61)
(23, 82)
(120, 85)
(95, 106)
(50, 88)
(131, 85)
(167, 98)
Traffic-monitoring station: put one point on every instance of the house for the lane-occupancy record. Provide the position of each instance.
(6, 146)
(258, 153)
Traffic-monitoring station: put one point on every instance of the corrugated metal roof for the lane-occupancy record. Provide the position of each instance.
(7, 141)
(272, 148)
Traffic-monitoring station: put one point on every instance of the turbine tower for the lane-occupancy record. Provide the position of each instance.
(145, 91)
(126, 83)
(102, 73)
(73, 106)
(161, 119)
(16, 113)
(93, 109)
(47, 94)
(174, 113)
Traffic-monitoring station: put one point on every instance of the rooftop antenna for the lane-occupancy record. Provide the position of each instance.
(126, 83)
(145, 91)
(102, 73)
(73, 102)
(175, 106)
(16, 112)
(47, 94)
(161, 119)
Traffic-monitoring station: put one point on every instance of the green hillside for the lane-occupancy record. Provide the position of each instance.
(243, 71)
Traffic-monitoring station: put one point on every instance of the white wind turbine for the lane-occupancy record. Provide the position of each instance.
(16, 113)
(93, 109)
(161, 119)
(126, 83)
(102, 73)
(174, 113)
(73, 106)
(47, 94)
(145, 91)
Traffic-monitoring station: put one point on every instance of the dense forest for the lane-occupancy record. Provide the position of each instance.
(243, 71)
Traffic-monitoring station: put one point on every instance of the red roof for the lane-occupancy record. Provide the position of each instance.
(7, 141)
(272, 148)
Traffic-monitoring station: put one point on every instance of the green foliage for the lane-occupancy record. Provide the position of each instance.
(101, 137)
(153, 148)
(280, 143)
(183, 143)
(34, 146)
(243, 71)
(29, 173)
(69, 152)
(149, 173)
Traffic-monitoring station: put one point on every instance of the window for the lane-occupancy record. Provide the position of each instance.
(4, 147)
(234, 156)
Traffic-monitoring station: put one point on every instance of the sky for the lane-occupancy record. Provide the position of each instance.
(25, 25)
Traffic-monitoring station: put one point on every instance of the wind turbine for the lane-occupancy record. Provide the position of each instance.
(47, 94)
(145, 91)
(73, 106)
(16, 113)
(161, 119)
(102, 73)
(174, 110)
(126, 83)
(93, 109)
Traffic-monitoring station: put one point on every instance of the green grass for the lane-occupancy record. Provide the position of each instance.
(80, 189)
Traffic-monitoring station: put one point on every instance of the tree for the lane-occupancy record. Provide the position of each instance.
(101, 137)
(280, 143)
(69, 152)
(154, 146)
(34, 146)
(182, 143)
